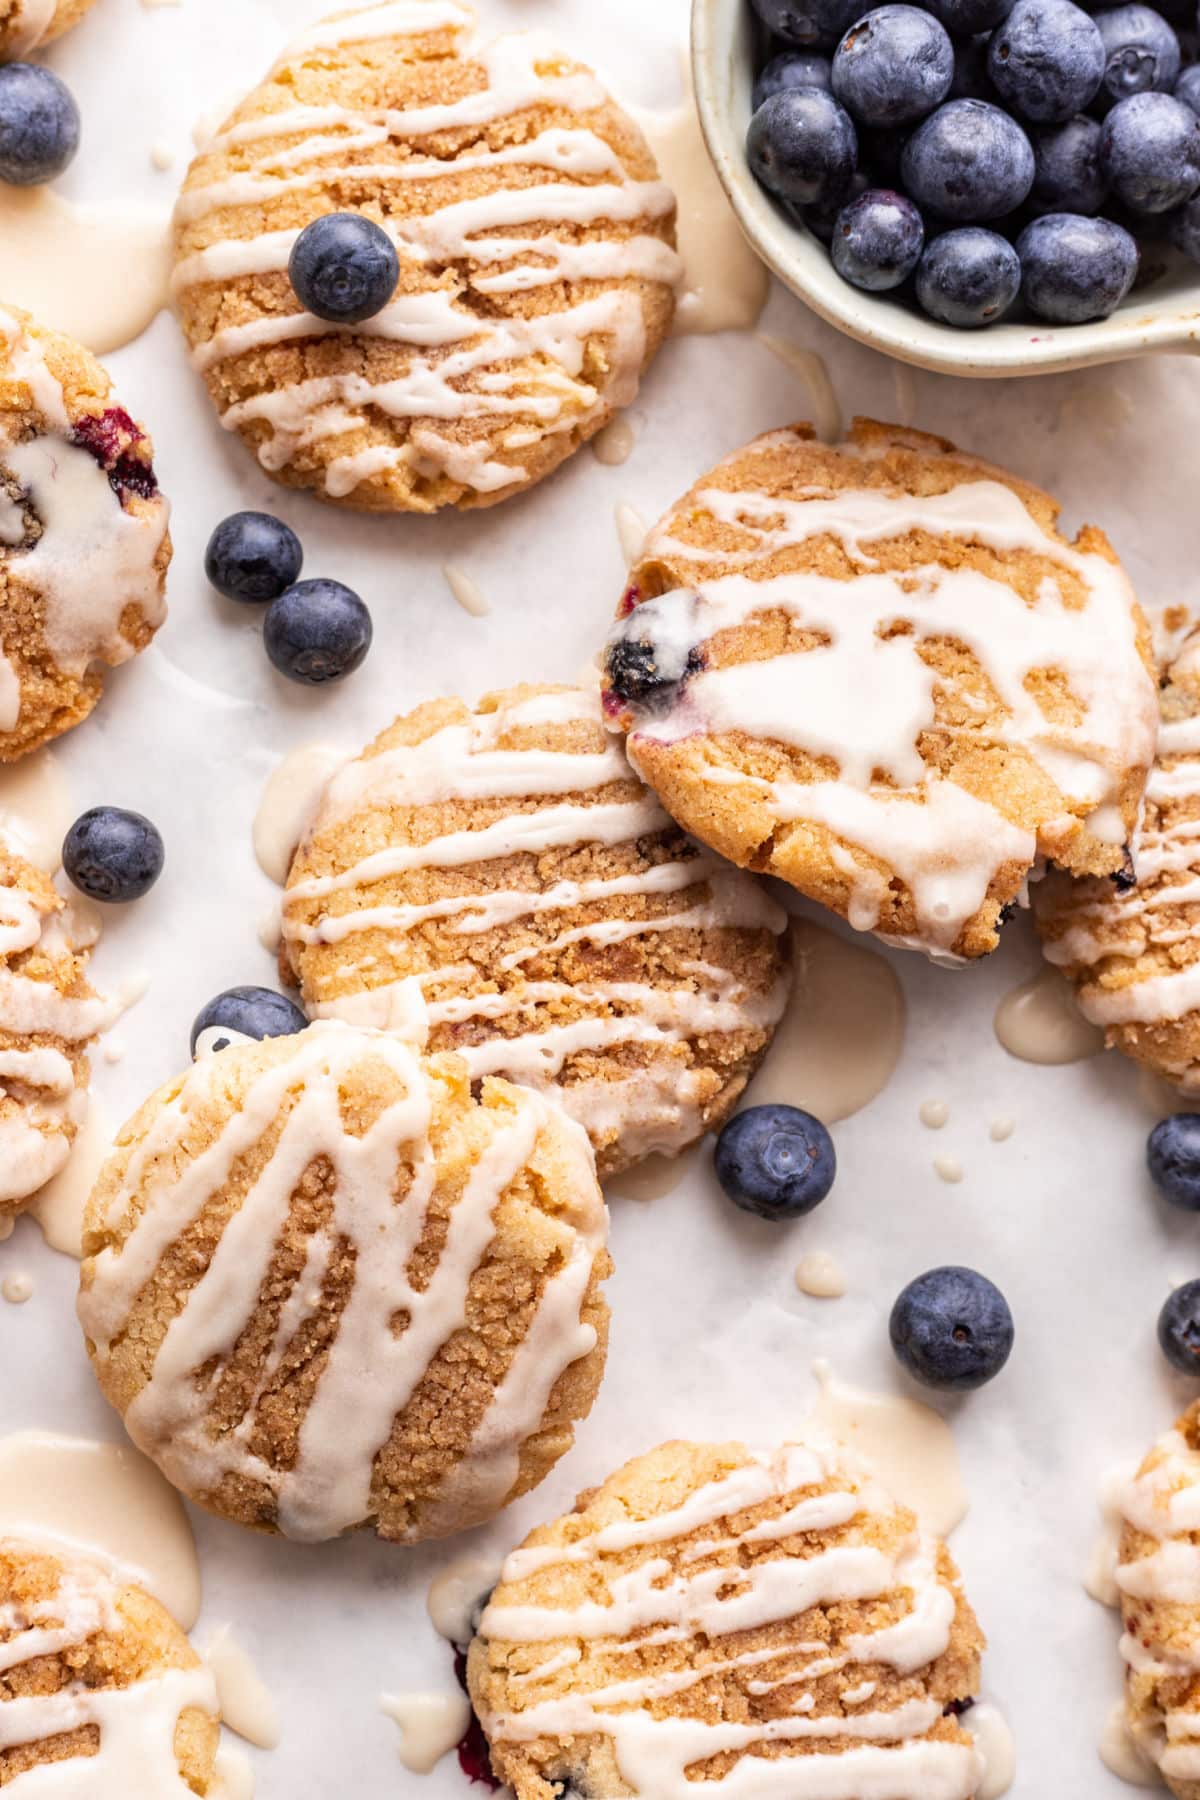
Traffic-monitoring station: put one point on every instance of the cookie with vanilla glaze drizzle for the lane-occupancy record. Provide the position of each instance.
(880, 672)
(536, 248)
(501, 882)
(25, 25)
(329, 1286)
(736, 1622)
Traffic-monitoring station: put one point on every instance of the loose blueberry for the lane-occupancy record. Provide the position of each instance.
(775, 1161)
(1183, 228)
(1173, 1158)
(344, 268)
(1150, 152)
(792, 69)
(971, 79)
(952, 1328)
(893, 67)
(252, 557)
(39, 125)
(806, 24)
(254, 1012)
(969, 277)
(1047, 59)
(968, 161)
(114, 855)
(1179, 1328)
(877, 240)
(1141, 53)
(1075, 269)
(802, 147)
(1187, 88)
(967, 18)
(317, 631)
(1067, 175)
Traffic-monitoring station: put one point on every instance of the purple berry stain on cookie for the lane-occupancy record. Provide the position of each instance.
(473, 1757)
(119, 447)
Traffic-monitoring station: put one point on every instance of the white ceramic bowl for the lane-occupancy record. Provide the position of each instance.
(1163, 316)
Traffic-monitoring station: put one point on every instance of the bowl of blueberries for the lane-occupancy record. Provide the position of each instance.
(986, 187)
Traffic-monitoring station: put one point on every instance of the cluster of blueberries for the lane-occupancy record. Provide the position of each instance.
(967, 152)
(313, 631)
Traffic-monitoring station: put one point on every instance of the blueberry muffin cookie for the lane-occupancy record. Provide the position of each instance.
(766, 1624)
(95, 1671)
(1132, 946)
(84, 547)
(328, 1286)
(48, 1018)
(1158, 1578)
(501, 882)
(878, 671)
(535, 240)
(26, 25)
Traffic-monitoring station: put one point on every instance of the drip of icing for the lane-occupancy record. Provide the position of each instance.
(36, 809)
(431, 1725)
(457, 1592)
(289, 804)
(614, 445)
(233, 1766)
(246, 1703)
(44, 241)
(655, 1176)
(948, 1169)
(1100, 1580)
(1041, 1022)
(34, 19)
(934, 1114)
(1001, 1129)
(819, 1275)
(839, 1042)
(467, 592)
(102, 1501)
(813, 371)
(909, 1446)
(17, 1288)
(1122, 1755)
(58, 1206)
(632, 532)
(995, 1743)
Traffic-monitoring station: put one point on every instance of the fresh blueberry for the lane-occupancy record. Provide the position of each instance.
(802, 147)
(967, 18)
(1047, 59)
(877, 240)
(968, 162)
(1179, 1328)
(1150, 152)
(968, 277)
(113, 855)
(775, 1161)
(39, 125)
(254, 1012)
(971, 79)
(893, 67)
(1067, 175)
(1173, 1158)
(344, 268)
(1074, 269)
(1141, 53)
(952, 1328)
(806, 24)
(792, 69)
(317, 631)
(253, 556)
(1183, 228)
(821, 220)
(1187, 88)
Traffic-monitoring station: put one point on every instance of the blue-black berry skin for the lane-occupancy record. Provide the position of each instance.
(1179, 1328)
(968, 162)
(1067, 174)
(113, 855)
(344, 268)
(893, 67)
(1173, 1159)
(806, 24)
(802, 146)
(775, 1161)
(968, 277)
(1046, 60)
(1150, 152)
(252, 557)
(971, 78)
(792, 69)
(253, 1012)
(877, 240)
(1183, 228)
(39, 125)
(969, 18)
(821, 220)
(1074, 269)
(1141, 53)
(952, 1328)
(1187, 88)
(317, 631)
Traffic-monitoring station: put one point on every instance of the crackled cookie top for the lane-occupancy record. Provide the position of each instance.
(1158, 1577)
(328, 1287)
(879, 671)
(1132, 946)
(502, 883)
(98, 1684)
(739, 1623)
(83, 534)
(27, 24)
(536, 260)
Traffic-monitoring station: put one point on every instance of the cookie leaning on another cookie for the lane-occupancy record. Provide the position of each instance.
(25, 25)
(878, 670)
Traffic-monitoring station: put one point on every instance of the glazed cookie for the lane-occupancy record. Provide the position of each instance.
(1158, 1578)
(878, 671)
(83, 534)
(1132, 948)
(714, 1618)
(48, 1017)
(95, 1669)
(27, 24)
(502, 883)
(327, 1287)
(537, 266)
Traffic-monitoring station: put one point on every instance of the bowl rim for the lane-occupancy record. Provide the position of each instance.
(802, 264)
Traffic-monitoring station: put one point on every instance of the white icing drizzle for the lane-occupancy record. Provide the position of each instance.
(34, 19)
(327, 1489)
(863, 700)
(702, 1602)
